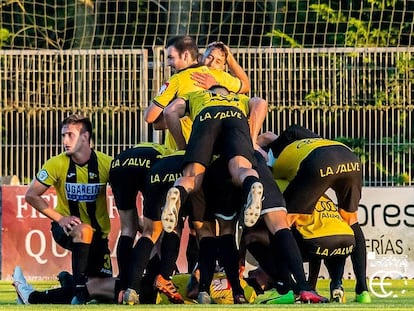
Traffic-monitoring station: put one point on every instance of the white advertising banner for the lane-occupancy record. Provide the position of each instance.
(386, 216)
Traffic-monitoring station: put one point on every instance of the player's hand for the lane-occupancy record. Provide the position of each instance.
(68, 222)
(204, 80)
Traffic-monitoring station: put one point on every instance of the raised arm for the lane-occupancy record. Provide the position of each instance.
(172, 115)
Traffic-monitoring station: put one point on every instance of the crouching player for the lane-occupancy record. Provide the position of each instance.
(312, 165)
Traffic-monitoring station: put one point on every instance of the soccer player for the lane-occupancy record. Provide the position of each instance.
(320, 235)
(182, 56)
(80, 220)
(127, 178)
(100, 290)
(312, 165)
(221, 127)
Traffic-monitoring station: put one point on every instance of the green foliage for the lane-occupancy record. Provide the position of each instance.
(284, 38)
(358, 146)
(318, 97)
(359, 32)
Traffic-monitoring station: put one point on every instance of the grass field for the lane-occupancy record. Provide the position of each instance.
(400, 297)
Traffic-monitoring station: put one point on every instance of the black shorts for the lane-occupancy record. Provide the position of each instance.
(320, 247)
(223, 199)
(99, 261)
(273, 199)
(219, 130)
(334, 167)
(160, 179)
(128, 177)
(325, 246)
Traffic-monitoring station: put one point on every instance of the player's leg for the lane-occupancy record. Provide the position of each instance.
(26, 294)
(177, 195)
(170, 246)
(141, 255)
(207, 259)
(336, 267)
(243, 174)
(284, 244)
(348, 191)
(129, 228)
(228, 255)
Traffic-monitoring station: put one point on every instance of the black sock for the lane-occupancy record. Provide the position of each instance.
(80, 258)
(140, 256)
(335, 266)
(284, 244)
(314, 268)
(359, 260)
(278, 270)
(247, 184)
(62, 295)
(229, 257)
(192, 252)
(148, 294)
(170, 247)
(261, 253)
(207, 262)
(124, 255)
(183, 194)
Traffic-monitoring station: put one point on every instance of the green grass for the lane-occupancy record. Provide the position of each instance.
(403, 289)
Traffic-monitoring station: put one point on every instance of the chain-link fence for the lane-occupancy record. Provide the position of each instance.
(363, 97)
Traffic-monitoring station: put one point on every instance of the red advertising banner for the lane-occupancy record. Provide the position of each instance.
(28, 242)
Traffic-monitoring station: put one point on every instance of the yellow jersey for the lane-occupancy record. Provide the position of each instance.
(56, 171)
(199, 100)
(288, 162)
(180, 84)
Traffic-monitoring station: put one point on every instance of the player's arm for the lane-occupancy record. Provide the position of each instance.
(34, 198)
(257, 114)
(152, 113)
(237, 71)
(172, 114)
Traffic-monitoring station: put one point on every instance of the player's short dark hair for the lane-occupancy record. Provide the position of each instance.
(219, 89)
(184, 43)
(76, 119)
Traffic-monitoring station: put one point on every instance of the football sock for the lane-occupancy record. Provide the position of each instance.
(62, 295)
(229, 257)
(170, 247)
(148, 294)
(207, 262)
(124, 254)
(335, 266)
(314, 268)
(261, 253)
(284, 245)
(140, 257)
(80, 258)
(192, 252)
(247, 184)
(183, 194)
(359, 260)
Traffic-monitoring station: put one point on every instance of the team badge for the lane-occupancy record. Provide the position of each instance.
(163, 88)
(42, 175)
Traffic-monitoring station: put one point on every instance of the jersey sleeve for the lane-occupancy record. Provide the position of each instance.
(49, 173)
(225, 79)
(167, 92)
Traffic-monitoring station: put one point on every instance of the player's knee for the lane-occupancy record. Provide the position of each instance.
(83, 233)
